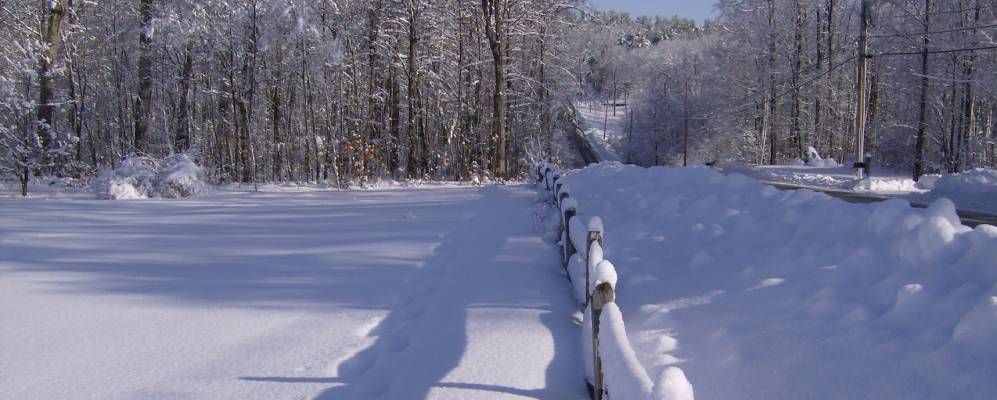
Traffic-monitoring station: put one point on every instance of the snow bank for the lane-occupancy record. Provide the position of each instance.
(783, 294)
(975, 189)
(145, 177)
(885, 185)
(623, 373)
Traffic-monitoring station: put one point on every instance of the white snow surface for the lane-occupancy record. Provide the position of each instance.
(758, 293)
(400, 293)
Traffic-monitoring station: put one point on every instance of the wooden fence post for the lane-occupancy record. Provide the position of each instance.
(594, 236)
(602, 295)
(569, 246)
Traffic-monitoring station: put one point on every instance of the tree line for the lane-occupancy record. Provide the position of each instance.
(768, 79)
(344, 91)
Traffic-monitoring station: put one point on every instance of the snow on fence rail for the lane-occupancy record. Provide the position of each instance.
(613, 369)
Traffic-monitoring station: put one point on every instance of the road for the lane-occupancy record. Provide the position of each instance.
(969, 218)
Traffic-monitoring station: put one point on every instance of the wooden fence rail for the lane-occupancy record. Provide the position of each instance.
(582, 248)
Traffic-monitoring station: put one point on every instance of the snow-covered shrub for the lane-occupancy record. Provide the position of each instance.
(145, 177)
(178, 176)
(814, 160)
(823, 163)
(132, 179)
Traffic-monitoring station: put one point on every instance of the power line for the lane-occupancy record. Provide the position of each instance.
(738, 109)
(933, 32)
(961, 10)
(914, 53)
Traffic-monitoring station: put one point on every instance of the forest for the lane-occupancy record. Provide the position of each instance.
(350, 92)
(769, 79)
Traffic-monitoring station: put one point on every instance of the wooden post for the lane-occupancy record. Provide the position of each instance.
(603, 295)
(569, 246)
(685, 129)
(860, 96)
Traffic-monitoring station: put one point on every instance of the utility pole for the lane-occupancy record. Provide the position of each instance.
(860, 107)
(685, 141)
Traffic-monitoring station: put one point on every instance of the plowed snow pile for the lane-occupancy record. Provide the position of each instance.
(764, 294)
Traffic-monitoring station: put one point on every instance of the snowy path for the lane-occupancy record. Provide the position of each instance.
(593, 117)
(400, 294)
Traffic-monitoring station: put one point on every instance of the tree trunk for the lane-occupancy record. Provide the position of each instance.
(24, 176)
(817, 133)
(969, 101)
(773, 140)
(46, 90)
(181, 142)
(494, 31)
(797, 130)
(143, 104)
(413, 87)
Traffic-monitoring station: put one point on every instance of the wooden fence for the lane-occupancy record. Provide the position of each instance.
(614, 367)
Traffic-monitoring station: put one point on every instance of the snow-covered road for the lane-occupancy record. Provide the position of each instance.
(438, 292)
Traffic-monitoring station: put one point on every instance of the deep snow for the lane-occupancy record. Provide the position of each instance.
(397, 293)
(758, 293)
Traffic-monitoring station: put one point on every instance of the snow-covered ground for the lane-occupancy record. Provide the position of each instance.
(605, 130)
(758, 293)
(974, 190)
(291, 292)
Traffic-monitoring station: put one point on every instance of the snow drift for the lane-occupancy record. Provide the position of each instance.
(975, 189)
(760, 293)
(145, 177)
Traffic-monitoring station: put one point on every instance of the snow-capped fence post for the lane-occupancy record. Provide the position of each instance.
(602, 295)
(594, 236)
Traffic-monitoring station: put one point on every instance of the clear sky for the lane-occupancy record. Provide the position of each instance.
(693, 9)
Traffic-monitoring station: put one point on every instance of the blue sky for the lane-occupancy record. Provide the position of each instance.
(693, 9)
